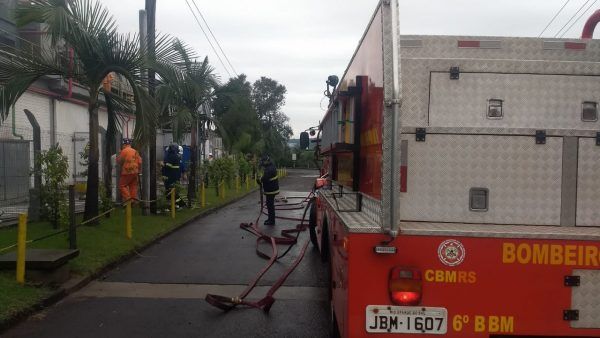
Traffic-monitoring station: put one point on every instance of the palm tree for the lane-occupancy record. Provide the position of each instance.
(87, 28)
(185, 90)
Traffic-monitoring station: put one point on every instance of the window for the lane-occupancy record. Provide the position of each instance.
(589, 111)
(494, 111)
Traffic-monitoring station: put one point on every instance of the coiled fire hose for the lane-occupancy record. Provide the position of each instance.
(287, 238)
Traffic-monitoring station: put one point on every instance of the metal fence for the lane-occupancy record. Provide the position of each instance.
(15, 164)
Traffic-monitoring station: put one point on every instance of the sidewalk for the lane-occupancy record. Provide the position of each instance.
(102, 247)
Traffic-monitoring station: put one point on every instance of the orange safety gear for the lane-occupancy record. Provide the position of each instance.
(130, 161)
(128, 185)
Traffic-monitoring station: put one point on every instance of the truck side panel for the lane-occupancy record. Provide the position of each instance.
(541, 101)
(522, 179)
(479, 295)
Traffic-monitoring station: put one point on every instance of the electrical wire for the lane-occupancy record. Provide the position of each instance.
(215, 38)
(207, 39)
(554, 17)
(571, 18)
(578, 18)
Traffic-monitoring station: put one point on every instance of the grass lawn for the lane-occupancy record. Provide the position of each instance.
(99, 246)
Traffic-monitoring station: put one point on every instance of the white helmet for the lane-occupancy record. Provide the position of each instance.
(180, 150)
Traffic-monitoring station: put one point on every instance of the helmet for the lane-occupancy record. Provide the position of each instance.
(126, 141)
(180, 149)
(265, 159)
(173, 148)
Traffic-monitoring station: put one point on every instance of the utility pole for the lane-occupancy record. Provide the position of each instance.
(151, 33)
(144, 150)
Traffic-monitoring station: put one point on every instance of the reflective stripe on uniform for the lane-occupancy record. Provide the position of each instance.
(271, 192)
(172, 166)
(274, 178)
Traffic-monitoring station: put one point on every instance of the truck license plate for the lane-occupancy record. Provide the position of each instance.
(406, 319)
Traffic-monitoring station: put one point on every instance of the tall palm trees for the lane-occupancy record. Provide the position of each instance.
(88, 29)
(186, 88)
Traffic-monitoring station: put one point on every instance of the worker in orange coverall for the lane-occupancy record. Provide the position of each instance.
(131, 162)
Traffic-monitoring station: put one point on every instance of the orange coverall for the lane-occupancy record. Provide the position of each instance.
(130, 162)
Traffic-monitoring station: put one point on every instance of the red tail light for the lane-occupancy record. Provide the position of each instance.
(405, 286)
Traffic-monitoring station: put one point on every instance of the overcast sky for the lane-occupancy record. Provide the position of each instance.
(300, 43)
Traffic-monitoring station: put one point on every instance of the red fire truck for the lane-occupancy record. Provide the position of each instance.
(463, 186)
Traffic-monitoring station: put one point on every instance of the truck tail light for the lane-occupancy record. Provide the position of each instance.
(405, 286)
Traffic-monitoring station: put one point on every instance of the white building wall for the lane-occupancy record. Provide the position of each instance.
(70, 118)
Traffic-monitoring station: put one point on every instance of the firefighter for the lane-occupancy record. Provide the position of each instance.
(270, 186)
(131, 162)
(171, 172)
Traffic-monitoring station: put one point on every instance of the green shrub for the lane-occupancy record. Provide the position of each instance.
(54, 170)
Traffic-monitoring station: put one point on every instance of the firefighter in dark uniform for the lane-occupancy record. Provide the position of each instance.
(270, 185)
(171, 171)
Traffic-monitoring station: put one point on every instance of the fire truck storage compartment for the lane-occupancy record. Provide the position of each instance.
(527, 101)
(588, 182)
(522, 179)
(585, 298)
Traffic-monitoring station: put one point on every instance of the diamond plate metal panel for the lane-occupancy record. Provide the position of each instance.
(529, 101)
(524, 179)
(586, 299)
(512, 48)
(588, 184)
(390, 199)
(417, 72)
(500, 231)
(356, 222)
(501, 131)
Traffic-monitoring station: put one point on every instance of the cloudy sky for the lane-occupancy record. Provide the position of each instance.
(300, 43)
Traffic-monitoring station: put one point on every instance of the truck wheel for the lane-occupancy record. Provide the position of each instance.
(312, 226)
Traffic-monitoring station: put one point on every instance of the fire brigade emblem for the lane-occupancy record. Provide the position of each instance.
(451, 252)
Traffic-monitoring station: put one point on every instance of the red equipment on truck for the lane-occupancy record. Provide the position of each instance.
(463, 186)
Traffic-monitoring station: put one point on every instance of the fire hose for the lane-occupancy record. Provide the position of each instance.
(287, 238)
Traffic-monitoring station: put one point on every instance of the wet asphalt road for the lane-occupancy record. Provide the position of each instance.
(161, 292)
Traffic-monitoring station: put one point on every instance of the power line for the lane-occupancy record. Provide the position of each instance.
(579, 18)
(207, 39)
(217, 41)
(574, 15)
(554, 17)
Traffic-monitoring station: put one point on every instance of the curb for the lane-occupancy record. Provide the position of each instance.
(76, 283)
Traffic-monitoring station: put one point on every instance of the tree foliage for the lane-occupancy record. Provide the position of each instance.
(234, 109)
(251, 116)
(268, 97)
(88, 29)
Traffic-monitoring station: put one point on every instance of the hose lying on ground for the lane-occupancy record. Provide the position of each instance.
(286, 238)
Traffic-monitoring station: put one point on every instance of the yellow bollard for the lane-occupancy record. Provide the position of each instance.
(247, 182)
(237, 183)
(222, 189)
(21, 245)
(202, 195)
(128, 227)
(173, 203)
